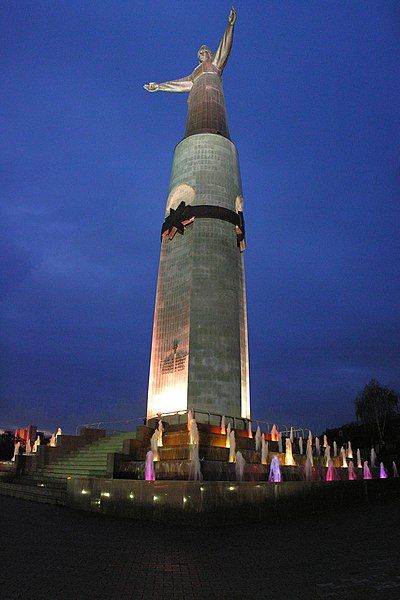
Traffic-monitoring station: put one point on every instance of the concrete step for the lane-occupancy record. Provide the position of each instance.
(34, 493)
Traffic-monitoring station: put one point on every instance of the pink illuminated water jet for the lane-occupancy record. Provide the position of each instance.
(366, 472)
(330, 474)
(149, 473)
(383, 474)
(351, 471)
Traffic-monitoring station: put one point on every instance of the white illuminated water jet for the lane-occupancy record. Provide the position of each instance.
(193, 433)
(395, 471)
(53, 441)
(349, 450)
(58, 432)
(28, 448)
(366, 471)
(280, 447)
(373, 458)
(291, 435)
(223, 427)
(249, 431)
(160, 430)
(383, 474)
(232, 447)
(309, 453)
(289, 460)
(344, 459)
(301, 445)
(149, 472)
(16, 451)
(275, 471)
(228, 433)
(154, 445)
(334, 449)
(351, 472)
(195, 473)
(36, 444)
(239, 466)
(325, 441)
(359, 463)
(327, 455)
(258, 438)
(264, 451)
(310, 437)
(189, 418)
(317, 447)
(308, 469)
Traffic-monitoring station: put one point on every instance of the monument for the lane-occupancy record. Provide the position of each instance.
(199, 355)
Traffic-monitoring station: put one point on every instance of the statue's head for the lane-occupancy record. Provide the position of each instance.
(204, 53)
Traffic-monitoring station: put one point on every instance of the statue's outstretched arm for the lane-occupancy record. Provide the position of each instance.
(222, 54)
(184, 84)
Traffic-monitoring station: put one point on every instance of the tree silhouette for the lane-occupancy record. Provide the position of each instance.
(375, 404)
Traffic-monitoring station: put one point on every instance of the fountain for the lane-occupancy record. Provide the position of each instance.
(239, 466)
(327, 455)
(275, 471)
(308, 469)
(301, 445)
(291, 435)
(249, 431)
(383, 474)
(349, 450)
(334, 449)
(189, 418)
(16, 451)
(223, 428)
(395, 471)
(264, 451)
(28, 448)
(149, 473)
(344, 459)
(317, 447)
(309, 453)
(258, 438)
(325, 441)
(232, 447)
(154, 446)
(352, 473)
(228, 433)
(36, 444)
(193, 433)
(195, 473)
(280, 447)
(330, 474)
(274, 434)
(366, 472)
(160, 430)
(359, 463)
(289, 461)
(53, 441)
(373, 458)
(310, 437)
(58, 432)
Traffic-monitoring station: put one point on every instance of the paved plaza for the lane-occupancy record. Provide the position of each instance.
(53, 553)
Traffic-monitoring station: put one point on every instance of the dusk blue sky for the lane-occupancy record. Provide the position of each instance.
(313, 99)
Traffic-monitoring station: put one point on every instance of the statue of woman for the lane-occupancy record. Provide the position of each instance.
(206, 99)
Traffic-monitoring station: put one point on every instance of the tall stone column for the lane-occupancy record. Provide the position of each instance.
(199, 356)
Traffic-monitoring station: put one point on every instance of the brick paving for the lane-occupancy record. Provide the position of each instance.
(53, 553)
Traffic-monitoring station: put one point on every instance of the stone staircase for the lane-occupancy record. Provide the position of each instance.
(49, 483)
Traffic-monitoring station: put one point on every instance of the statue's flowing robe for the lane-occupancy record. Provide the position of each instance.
(206, 112)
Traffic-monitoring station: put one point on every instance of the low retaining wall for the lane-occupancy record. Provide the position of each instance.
(214, 502)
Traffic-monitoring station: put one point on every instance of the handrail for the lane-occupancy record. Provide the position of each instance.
(285, 431)
(98, 424)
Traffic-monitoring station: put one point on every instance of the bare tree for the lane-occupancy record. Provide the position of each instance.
(375, 404)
